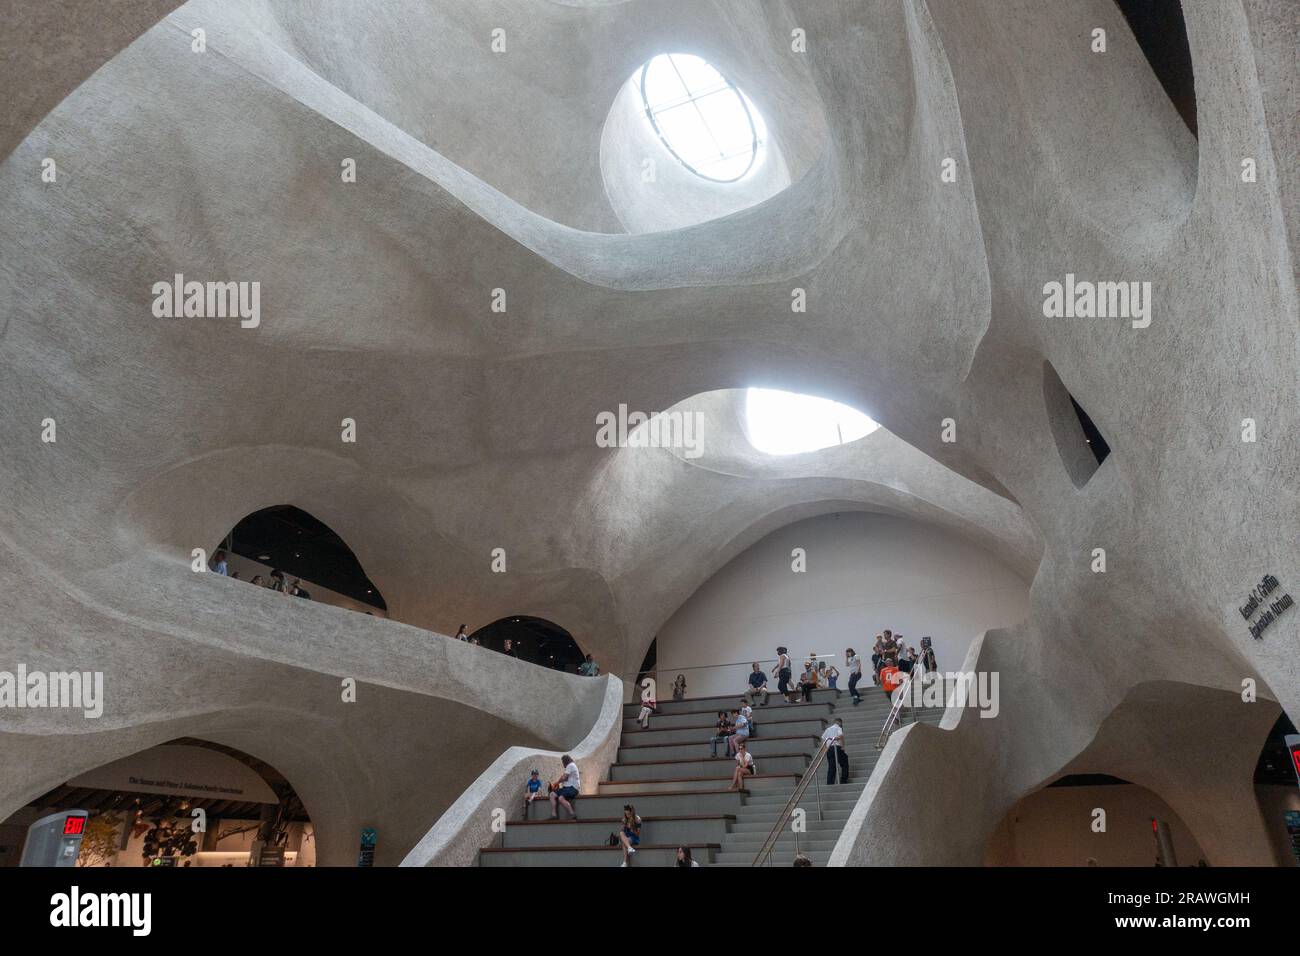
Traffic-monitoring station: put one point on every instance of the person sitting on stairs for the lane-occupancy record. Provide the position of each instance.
(565, 789)
(741, 734)
(745, 767)
(721, 733)
(630, 834)
(757, 684)
(748, 713)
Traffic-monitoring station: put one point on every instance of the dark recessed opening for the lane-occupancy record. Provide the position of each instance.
(1274, 765)
(1091, 435)
(535, 640)
(1078, 439)
(1161, 32)
(1089, 780)
(290, 539)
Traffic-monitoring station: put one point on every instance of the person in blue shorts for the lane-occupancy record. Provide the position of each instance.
(630, 837)
(533, 790)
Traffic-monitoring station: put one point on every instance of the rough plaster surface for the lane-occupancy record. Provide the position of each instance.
(479, 171)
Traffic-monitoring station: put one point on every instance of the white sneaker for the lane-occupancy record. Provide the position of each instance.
(624, 863)
(631, 850)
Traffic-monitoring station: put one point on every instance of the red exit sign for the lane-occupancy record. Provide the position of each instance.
(74, 826)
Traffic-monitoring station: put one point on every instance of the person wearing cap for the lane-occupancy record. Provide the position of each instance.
(533, 791)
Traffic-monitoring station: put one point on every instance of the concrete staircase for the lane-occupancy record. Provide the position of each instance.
(681, 792)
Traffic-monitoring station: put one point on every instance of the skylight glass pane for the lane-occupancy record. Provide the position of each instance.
(697, 74)
(725, 116)
(663, 87)
(687, 134)
(786, 423)
(700, 117)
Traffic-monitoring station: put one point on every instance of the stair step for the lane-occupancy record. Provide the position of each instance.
(591, 856)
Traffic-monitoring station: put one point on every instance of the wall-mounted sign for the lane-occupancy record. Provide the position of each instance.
(1257, 602)
(181, 770)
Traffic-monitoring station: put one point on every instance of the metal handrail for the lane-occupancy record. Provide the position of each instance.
(896, 711)
(809, 775)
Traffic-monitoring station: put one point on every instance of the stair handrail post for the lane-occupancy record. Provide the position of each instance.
(820, 816)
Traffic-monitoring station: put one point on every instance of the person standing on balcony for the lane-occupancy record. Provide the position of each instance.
(833, 737)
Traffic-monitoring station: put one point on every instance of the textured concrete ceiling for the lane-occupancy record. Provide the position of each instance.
(479, 171)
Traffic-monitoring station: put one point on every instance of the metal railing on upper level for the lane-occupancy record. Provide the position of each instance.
(810, 775)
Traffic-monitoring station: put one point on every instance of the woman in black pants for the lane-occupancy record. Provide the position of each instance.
(855, 674)
(782, 672)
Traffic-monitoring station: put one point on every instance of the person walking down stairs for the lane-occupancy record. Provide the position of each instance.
(833, 736)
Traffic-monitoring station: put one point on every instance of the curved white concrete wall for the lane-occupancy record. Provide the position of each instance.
(865, 572)
(924, 302)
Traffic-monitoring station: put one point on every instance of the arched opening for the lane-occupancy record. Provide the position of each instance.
(276, 546)
(532, 639)
(1078, 440)
(788, 423)
(1276, 790)
(142, 811)
(1092, 820)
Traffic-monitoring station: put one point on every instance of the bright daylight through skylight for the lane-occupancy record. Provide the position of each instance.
(786, 423)
(704, 121)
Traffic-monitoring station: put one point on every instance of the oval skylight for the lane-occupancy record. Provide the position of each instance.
(786, 423)
(702, 119)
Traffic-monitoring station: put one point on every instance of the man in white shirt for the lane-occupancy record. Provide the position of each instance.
(833, 737)
(566, 789)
